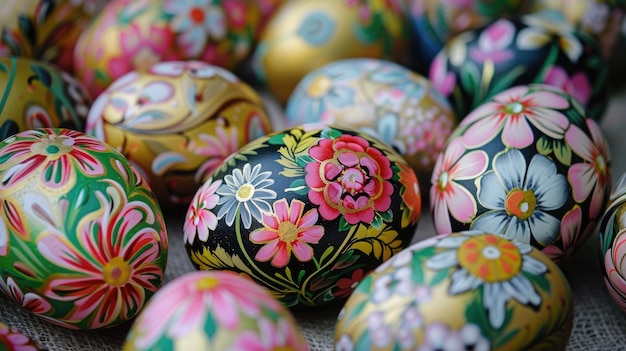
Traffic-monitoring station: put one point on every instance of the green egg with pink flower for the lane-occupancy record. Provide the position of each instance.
(526, 164)
(537, 48)
(306, 212)
(83, 242)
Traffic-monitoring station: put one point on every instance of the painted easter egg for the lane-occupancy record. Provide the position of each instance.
(176, 122)
(601, 19)
(82, 238)
(14, 340)
(130, 35)
(432, 23)
(380, 98)
(475, 65)
(38, 95)
(305, 35)
(611, 237)
(214, 310)
(528, 165)
(306, 212)
(45, 30)
(468, 290)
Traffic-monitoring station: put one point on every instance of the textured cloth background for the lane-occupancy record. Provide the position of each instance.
(598, 323)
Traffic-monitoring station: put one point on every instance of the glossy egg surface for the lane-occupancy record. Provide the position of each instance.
(305, 212)
(537, 48)
(39, 95)
(467, 290)
(82, 238)
(380, 98)
(305, 35)
(214, 310)
(45, 30)
(176, 122)
(528, 165)
(130, 35)
(611, 236)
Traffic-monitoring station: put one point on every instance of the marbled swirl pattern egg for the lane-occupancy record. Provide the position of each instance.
(468, 290)
(176, 122)
(526, 164)
(83, 242)
(35, 94)
(477, 64)
(380, 98)
(612, 241)
(307, 34)
(214, 310)
(306, 212)
(45, 30)
(130, 35)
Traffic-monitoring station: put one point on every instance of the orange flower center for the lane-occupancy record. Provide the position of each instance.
(520, 203)
(197, 15)
(116, 272)
(490, 258)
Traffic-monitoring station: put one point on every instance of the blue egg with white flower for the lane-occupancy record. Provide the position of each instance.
(380, 98)
(468, 290)
(526, 164)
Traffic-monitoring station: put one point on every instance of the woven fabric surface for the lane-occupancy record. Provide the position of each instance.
(598, 323)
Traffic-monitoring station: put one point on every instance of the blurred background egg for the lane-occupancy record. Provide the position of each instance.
(176, 122)
(526, 164)
(39, 95)
(477, 64)
(433, 22)
(83, 242)
(380, 98)
(307, 34)
(214, 310)
(601, 19)
(45, 30)
(132, 35)
(306, 212)
(611, 237)
(467, 290)
(14, 340)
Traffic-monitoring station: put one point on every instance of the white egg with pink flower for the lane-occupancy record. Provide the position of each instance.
(526, 164)
(306, 212)
(214, 310)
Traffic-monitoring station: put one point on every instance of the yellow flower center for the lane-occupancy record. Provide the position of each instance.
(116, 272)
(520, 203)
(490, 258)
(600, 164)
(245, 192)
(287, 231)
(207, 283)
(283, 348)
(320, 86)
